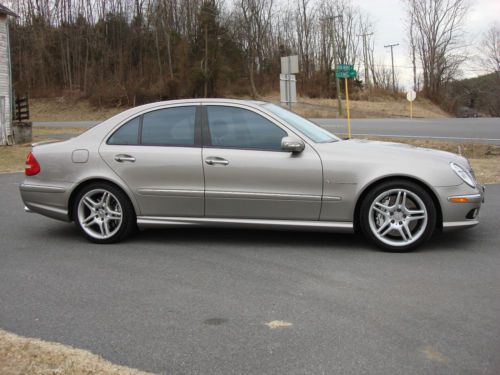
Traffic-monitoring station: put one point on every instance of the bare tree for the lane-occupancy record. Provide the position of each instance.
(119, 52)
(436, 33)
(490, 49)
(256, 23)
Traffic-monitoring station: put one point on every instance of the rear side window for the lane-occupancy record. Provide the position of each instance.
(234, 127)
(128, 134)
(169, 127)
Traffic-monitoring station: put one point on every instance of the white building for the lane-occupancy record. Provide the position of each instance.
(5, 78)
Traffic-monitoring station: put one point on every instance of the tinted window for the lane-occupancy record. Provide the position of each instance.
(128, 134)
(240, 128)
(171, 126)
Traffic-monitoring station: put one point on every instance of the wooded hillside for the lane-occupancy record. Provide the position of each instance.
(134, 51)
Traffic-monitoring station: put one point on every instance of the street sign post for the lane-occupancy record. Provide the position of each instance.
(288, 87)
(346, 71)
(410, 96)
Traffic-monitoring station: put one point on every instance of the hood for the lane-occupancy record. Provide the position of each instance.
(355, 161)
(377, 149)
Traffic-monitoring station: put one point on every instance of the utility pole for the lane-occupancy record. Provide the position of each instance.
(365, 58)
(391, 46)
(205, 70)
(334, 51)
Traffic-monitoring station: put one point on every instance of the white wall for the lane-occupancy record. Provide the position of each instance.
(4, 76)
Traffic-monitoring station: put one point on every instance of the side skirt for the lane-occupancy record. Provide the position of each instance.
(155, 221)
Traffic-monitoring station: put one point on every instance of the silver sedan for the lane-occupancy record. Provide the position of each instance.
(218, 162)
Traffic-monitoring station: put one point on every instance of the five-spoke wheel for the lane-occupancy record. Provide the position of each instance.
(103, 213)
(398, 215)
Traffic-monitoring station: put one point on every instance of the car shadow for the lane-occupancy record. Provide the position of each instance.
(255, 237)
(262, 238)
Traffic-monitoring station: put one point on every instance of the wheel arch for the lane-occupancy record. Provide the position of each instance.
(366, 189)
(89, 181)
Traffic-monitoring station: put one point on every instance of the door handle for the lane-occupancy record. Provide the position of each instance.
(215, 160)
(122, 157)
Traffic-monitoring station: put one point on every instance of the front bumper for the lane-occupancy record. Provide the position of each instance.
(460, 206)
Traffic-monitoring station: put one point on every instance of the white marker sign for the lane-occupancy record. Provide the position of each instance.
(290, 64)
(411, 95)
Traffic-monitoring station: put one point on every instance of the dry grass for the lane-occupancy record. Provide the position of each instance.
(12, 158)
(20, 356)
(487, 170)
(381, 108)
(64, 109)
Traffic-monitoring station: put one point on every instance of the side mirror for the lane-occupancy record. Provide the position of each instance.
(292, 144)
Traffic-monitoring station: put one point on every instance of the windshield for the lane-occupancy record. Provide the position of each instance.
(308, 128)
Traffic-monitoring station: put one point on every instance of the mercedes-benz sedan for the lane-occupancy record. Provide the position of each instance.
(245, 163)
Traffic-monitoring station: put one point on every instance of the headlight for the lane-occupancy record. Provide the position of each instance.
(463, 174)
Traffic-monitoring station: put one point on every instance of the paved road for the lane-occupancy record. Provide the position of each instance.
(457, 129)
(195, 301)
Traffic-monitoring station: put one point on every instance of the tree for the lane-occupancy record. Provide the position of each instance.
(490, 49)
(436, 34)
(256, 23)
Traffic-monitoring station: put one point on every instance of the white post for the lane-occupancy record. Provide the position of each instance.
(3, 122)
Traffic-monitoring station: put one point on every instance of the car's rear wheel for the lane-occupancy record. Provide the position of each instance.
(398, 215)
(103, 213)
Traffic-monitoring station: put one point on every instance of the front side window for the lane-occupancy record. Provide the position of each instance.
(169, 127)
(310, 129)
(232, 127)
(128, 134)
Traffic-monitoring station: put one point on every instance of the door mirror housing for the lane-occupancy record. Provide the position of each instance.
(292, 144)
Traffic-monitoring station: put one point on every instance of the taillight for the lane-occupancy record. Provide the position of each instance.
(32, 167)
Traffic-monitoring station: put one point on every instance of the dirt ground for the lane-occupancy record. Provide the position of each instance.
(28, 356)
(64, 109)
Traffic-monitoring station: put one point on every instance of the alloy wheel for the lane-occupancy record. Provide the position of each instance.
(398, 217)
(100, 214)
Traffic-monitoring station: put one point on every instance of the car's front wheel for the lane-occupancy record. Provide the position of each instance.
(103, 213)
(398, 215)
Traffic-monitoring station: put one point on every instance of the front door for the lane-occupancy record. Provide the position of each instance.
(247, 175)
(158, 155)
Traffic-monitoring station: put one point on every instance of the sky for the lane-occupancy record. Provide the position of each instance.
(388, 21)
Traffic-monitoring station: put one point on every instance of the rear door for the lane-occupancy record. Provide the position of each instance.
(247, 175)
(158, 155)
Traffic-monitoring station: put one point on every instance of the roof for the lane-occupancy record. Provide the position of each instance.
(7, 11)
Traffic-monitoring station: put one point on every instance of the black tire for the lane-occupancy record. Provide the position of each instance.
(128, 217)
(426, 230)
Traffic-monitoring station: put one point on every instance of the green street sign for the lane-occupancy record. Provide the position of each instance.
(343, 67)
(346, 74)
